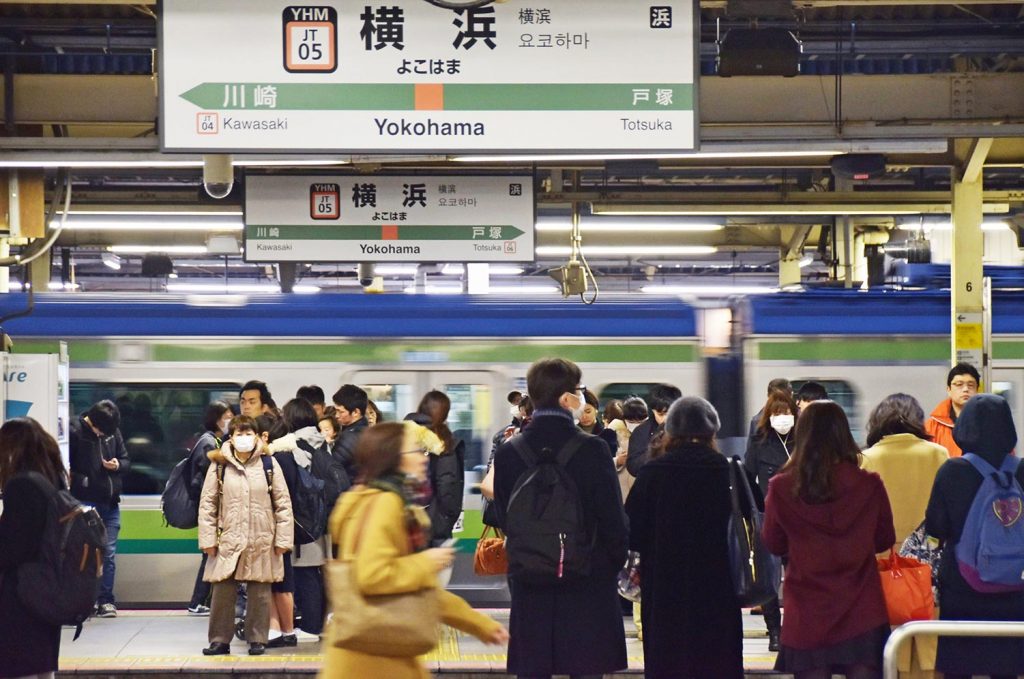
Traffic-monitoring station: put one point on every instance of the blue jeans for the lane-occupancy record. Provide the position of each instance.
(111, 516)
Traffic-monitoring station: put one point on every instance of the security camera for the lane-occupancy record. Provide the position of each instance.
(365, 273)
(218, 175)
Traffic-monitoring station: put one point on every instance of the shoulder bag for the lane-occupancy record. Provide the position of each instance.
(907, 586)
(756, 572)
(393, 625)
(490, 557)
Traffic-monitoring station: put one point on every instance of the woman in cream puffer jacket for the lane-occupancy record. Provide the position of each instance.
(245, 526)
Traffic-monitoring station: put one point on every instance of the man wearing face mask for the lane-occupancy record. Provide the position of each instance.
(768, 450)
(658, 401)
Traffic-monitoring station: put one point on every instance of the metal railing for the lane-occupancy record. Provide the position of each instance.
(944, 628)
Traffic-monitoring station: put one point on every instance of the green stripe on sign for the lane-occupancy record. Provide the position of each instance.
(861, 350)
(157, 546)
(376, 352)
(375, 232)
(457, 97)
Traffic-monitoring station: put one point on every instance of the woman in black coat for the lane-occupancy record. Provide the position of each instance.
(31, 463)
(446, 471)
(678, 512)
(985, 427)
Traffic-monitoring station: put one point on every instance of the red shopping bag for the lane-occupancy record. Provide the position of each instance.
(907, 586)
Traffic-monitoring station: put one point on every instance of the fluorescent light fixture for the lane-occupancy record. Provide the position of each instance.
(241, 161)
(166, 249)
(948, 226)
(832, 209)
(395, 269)
(619, 225)
(97, 163)
(110, 260)
(451, 269)
(522, 289)
(133, 223)
(708, 290)
(57, 285)
(232, 287)
(435, 289)
(76, 159)
(211, 212)
(627, 250)
(807, 260)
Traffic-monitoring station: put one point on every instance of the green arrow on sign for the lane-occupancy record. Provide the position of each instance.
(384, 232)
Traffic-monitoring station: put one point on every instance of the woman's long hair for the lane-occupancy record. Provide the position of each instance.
(778, 403)
(823, 440)
(896, 414)
(26, 447)
(436, 405)
(379, 450)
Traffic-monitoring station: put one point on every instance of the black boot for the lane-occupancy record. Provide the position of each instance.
(256, 648)
(773, 641)
(217, 648)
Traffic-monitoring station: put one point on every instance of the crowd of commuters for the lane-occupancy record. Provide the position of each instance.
(647, 475)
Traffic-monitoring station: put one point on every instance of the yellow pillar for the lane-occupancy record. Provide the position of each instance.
(968, 250)
(789, 268)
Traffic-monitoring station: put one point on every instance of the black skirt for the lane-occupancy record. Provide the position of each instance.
(864, 649)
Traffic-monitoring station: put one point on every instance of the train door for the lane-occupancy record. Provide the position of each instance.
(472, 418)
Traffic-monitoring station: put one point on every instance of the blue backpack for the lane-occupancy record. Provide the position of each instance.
(990, 554)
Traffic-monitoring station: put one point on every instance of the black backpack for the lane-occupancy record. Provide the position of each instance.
(329, 469)
(180, 509)
(309, 509)
(60, 588)
(547, 536)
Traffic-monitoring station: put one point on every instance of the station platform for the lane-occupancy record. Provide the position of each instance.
(169, 643)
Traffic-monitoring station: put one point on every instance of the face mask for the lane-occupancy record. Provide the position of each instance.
(631, 426)
(244, 443)
(577, 412)
(514, 411)
(782, 423)
(224, 427)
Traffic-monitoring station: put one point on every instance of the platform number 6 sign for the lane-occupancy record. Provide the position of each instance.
(310, 39)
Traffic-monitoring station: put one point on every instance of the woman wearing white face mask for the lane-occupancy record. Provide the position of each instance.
(767, 451)
(245, 526)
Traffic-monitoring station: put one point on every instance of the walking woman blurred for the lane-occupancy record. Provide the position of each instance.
(985, 428)
(447, 478)
(392, 556)
(216, 420)
(245, 526)
(768, 450)
(30, 464)
(679, 511)
(830, 517)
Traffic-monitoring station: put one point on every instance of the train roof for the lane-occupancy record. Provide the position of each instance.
(841, 312)
(343, 315)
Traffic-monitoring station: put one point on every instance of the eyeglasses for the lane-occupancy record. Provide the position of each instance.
(418, 451)
(971, 386)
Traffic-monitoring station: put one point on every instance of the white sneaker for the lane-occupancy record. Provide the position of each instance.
(301, 636)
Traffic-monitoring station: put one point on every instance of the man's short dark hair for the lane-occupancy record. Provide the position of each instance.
(549, 378)
(299, 414)
(662, 396)
(260, 386)
(312, 393)
(634, 409)
(780, 384)
(811, 391)
(351, 398)
(963, 369)
(105, 416)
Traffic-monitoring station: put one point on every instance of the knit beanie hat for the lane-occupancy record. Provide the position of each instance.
(692, 417)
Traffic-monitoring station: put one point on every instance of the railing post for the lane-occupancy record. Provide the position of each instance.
(942, 628)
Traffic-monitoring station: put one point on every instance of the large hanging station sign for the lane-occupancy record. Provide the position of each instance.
(408, 76)
(389, 219)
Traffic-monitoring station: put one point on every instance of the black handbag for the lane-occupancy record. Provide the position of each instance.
(756, 573)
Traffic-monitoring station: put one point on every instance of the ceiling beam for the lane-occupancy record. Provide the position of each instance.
(974, 162)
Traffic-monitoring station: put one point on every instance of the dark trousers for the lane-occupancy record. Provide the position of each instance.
(222, 612)
(201, 590)
(772, 615)
(309, 598)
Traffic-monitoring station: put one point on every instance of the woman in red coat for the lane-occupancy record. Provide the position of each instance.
(830, 518)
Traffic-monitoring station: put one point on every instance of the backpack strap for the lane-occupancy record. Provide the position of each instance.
(570, 448)
(268, 471)
(525, 451)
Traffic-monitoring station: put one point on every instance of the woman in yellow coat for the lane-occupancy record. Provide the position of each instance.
(393, 530)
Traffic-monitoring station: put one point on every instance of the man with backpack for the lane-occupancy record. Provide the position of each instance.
(98, 463)
(557, 498)
(975, 511)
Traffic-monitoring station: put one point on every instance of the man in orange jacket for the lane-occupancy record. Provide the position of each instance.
(961, 384)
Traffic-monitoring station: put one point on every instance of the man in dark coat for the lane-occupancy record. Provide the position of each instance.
(350, 408)
(984, 427)
(574, 627)
(658, 402)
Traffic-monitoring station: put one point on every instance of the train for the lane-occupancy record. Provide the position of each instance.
(163, 358)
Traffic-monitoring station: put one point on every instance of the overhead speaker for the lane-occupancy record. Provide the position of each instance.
(858, 166)
(764, 51)
(157, 266)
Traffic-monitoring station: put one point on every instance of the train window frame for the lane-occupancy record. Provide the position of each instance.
(170, 452)
(848, 399)
(610, 391)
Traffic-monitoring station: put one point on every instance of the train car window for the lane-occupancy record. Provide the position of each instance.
(843, 393)
(393, 400)
(159, 423)
(470, 420)
(618, 391)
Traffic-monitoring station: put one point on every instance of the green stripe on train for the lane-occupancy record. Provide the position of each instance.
(862, 350)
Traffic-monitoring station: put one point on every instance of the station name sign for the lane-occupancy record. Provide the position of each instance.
(408, 76)
(357, 218)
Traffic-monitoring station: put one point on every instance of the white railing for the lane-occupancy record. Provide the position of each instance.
(942, 628)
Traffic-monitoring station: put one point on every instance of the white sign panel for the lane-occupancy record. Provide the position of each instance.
(389, 219)
(408, 76)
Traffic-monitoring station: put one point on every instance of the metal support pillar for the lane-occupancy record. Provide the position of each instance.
(791, 253)
(39, 271)
(968, 308)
